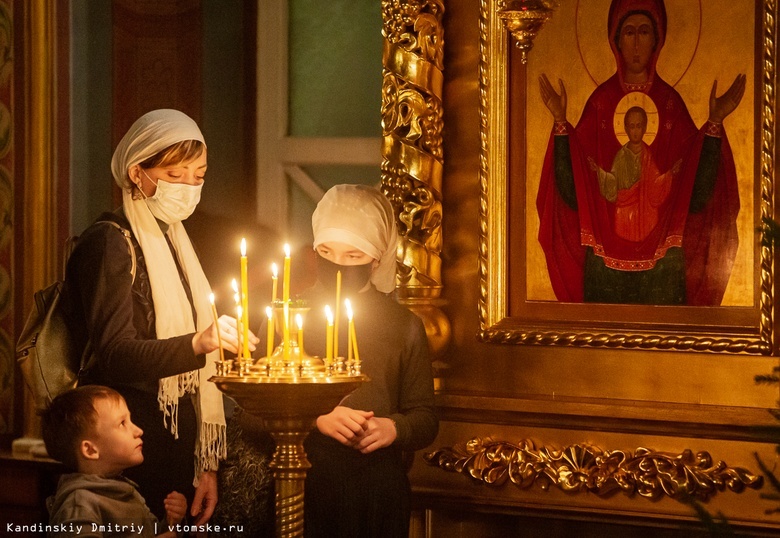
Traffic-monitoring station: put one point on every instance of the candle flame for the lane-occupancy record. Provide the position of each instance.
(234, 285)
(286, 250)
(274, 270)
(240, 311)
(211, 298)
(348, 306)
(299, 321)
(243, 246)
(269, 312)
(329, 314)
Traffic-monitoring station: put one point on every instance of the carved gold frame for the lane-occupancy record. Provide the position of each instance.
(728, 330)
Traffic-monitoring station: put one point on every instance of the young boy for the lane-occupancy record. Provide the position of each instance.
(89, 430)
(635, 185)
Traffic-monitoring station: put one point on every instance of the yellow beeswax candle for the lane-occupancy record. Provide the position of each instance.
(299, 323)
(274, 283)
(216, 324)
(348, 306)
(329, 333)
(269, 348)
(286, 332)
(239, 317)
(286, 276)
(244, 300)
(336, 315)
(286, 300)
(354, 338)
(237, 299)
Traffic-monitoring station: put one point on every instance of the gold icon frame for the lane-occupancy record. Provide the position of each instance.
(508, 316)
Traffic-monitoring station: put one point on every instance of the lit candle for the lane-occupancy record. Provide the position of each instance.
(244, 299)
(286, 332)
(274, 282)
(216, 324)
(239, 317)
(269, 349)
(299, 323)
(329, 333)
(348, 306)
(237, 299)
(234, 285)
(286, 301)
(286, 283)
(354, 339)
(336, 316)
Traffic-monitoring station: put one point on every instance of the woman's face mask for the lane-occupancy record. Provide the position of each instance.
(173, 202)
(353, 277)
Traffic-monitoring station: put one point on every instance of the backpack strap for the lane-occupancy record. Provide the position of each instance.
(126, 234)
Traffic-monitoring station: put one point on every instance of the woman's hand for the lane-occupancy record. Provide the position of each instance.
(722, 106)
(344, 424)
(205, 499)
(554, 101)
(206, 341)
(380, 433)
(175, 508)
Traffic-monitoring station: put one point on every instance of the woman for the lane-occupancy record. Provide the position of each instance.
(357, 485)
(688, 251)
(151, 332)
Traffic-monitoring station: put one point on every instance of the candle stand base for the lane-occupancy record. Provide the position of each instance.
(288, 406)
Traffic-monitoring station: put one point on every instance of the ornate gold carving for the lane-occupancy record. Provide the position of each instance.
(412, 152)
(584, 468)
(496, 324)
(524, 19)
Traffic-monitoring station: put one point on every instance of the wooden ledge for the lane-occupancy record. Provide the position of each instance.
(600, 414)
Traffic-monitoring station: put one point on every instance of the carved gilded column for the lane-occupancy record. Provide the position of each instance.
(39, 216)
(412, 158)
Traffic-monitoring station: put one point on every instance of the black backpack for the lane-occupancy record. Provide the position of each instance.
(48, 356)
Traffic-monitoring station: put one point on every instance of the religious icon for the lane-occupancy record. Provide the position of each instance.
(636, 204)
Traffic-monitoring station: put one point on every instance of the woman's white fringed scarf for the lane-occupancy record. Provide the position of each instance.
(149, 135)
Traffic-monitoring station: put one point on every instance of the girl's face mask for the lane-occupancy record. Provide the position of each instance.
(172, 202)
(353, 277)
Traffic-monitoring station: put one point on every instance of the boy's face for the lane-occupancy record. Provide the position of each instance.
(635, 126)
(116, 438)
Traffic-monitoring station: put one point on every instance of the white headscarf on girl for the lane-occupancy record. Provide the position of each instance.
(362, 217)
(150, 134)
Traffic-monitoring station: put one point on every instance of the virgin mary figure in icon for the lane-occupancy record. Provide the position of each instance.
(668, 234)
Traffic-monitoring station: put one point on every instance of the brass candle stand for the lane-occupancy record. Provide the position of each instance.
(288, 391)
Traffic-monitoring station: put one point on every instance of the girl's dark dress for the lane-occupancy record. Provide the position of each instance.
(349, 493)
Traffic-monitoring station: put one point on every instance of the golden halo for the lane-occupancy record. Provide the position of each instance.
(683, 32)
(643, 101)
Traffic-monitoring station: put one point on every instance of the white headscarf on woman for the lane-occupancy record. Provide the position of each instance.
(150, 134)
(362, 217)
